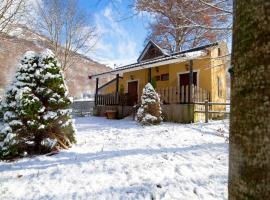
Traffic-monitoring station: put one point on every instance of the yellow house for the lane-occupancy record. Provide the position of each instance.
(183, 77)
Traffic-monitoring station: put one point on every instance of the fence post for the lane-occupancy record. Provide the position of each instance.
(206, 111)
(96, 92)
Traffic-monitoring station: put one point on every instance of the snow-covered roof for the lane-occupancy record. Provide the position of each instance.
(162, 60)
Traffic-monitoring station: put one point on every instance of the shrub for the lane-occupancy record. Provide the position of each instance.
(150, 110)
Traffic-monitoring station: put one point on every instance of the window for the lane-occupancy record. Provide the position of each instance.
(219, 52)
(219, 86)
(157, 78)
(164, 77)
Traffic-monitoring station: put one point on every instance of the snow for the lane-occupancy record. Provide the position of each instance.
(16, 32)
(49, 143)
(119, 159)
(29, 55)
(195, 54)
(49, 115)
(47, 53)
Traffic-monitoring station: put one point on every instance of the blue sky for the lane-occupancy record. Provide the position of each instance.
(120, 41)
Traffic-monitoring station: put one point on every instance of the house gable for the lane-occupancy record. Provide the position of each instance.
(151, 51)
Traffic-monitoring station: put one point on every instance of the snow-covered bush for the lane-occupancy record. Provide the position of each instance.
(36, 109)
(150, 111)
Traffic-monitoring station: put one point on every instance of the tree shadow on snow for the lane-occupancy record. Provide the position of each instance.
(70, 158)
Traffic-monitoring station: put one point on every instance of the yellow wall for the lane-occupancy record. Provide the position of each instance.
(218, 69)
(202, 67)
(139, 75)
(111, 88)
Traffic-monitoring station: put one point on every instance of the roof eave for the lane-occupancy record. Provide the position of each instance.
(152, 63)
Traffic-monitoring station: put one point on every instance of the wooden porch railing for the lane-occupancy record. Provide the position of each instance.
(113, 99)
(172, 95)
(169, 95)
(107, 99)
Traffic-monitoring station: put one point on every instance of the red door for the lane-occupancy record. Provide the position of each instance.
(132, 93)
(184, 81)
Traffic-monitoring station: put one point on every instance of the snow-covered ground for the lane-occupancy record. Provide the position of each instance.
(118, 159)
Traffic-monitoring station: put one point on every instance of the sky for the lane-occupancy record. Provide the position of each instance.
(120, 40)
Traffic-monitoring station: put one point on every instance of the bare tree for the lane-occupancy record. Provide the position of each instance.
(180, 23)
(249, 156)
(68, 29)
(11, 12)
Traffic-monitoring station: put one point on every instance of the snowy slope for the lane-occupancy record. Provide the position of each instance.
(122, 160)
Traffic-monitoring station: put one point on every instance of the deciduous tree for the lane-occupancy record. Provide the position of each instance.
(11, 12)
(249, 160)
(181, 24)
(68, 28)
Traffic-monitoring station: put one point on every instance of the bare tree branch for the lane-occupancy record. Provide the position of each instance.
(215, 6)
(180, 23)
(11, 12)
(67, 28)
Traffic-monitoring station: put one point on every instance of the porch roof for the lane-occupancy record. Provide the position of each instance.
(166, 59)
(108, 83)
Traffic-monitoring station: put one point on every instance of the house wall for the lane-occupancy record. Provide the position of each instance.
(218, 70)
(110, 88)
(158, 71)
(139, 75)
(202, 66)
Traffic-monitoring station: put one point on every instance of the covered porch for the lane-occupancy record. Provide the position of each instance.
(184, 92)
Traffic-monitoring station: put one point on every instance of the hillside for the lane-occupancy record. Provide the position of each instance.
(22, 39)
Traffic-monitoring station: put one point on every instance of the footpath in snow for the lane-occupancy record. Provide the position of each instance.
(119, 159)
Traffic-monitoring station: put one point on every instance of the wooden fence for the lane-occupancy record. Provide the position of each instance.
(82, 107)
(206, 110)
(172, 95)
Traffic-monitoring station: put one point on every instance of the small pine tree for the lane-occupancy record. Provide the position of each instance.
(150, 110)
(36, 109)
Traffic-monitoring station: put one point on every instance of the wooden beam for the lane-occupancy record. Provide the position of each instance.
(149, 75)
(206, 107)
(190, 81)
(96, 92)
(117, 84)
(117, 89)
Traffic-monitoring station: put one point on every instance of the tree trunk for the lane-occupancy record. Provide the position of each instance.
(249, 160)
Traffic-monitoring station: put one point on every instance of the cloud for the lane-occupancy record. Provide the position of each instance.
(116, 46)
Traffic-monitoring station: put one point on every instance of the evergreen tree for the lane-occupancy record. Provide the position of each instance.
(36, 114)
(150, 111)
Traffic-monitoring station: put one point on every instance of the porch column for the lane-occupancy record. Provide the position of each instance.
(117, 89)
(149, 75)
(96, 92)
(117, 84)
(190, 81)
